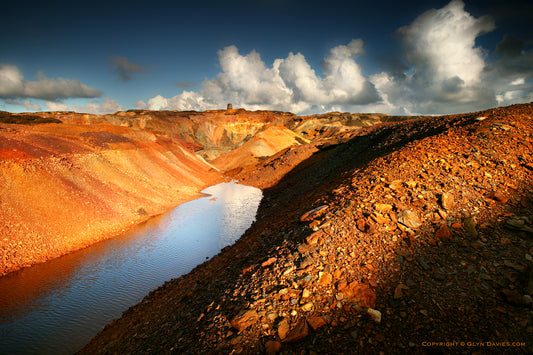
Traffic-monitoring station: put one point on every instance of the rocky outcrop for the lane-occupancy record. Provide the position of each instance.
(267, 142)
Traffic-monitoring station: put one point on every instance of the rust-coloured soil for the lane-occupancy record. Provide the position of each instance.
(64, 187)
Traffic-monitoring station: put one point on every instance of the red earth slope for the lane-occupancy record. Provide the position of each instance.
(64, 187)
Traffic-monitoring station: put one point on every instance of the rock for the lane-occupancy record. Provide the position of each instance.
(382, 207)
(325, 278)
(395, 185)
(309, 306)
(374, 314)
(527, 300)
(398, 291)
(499, 196)
(365, 226)
(306, 293)
(298, 333)
(272, 316)
(409, 219)
(283, 329)
(313, 213)
(411, 184)
(443, 233)
(518, 223)
(244, 319)
(378, 218)
(269, 262)
(360, 293)
(272, 347)
(313, 238)
(447, 201)
(316, 322)
(469, 223)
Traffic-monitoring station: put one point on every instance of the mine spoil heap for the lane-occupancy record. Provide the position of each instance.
(413, 236)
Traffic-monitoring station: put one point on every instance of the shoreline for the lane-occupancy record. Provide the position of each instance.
(114, 232)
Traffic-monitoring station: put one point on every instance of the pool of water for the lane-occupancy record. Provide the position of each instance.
(58, 306)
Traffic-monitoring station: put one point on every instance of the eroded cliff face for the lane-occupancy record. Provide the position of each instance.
(210, 133)
(64, 186)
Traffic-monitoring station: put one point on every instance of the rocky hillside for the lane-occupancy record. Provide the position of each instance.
(411, 237)
(64, 187)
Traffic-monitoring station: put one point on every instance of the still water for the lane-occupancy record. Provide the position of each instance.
(58, 306)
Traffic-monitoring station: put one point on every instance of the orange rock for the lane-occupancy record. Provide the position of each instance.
(298, 333)
(361, 294)
(313, 238)
(269, 262)
(443, 233)
(325, 279)
(316, 322)
(283, 329)
(244, 319)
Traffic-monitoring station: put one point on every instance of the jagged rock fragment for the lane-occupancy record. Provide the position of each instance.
(244, 319)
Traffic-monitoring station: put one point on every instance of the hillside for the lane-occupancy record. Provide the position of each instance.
(413, 236)
(64, 186)
(68, 180)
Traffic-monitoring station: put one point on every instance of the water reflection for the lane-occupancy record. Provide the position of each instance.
(58, 306)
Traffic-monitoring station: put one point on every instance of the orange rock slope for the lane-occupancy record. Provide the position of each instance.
(64, 187)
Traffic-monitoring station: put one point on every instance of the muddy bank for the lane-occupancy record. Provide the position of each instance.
(425, 239)
(64, 187)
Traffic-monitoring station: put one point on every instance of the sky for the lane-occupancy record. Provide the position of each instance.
(395, 57)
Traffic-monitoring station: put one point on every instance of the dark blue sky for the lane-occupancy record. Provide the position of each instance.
(107, 55)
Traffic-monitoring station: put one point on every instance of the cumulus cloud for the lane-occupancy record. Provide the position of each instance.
(445, 66)
(124, 68)
(13, 85)
(290, 84)
(94, 107)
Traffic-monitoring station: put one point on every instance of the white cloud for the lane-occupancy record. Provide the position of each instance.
(445, 66)
(290, 84)
(94, 107)
(13, 85)
(518, 81)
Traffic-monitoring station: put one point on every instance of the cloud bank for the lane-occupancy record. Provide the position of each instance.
(94, 107)
(290, 84)
(441, 70)
(13, 85)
